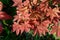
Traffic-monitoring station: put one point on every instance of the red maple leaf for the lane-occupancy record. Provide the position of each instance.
(53, 12)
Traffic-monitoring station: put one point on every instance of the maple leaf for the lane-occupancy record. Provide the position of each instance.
(42, 28)
(17, 2)
(53, 13)
(56, 28)
(58, 31)
(30, 19)
(26, 26)
(20, 28)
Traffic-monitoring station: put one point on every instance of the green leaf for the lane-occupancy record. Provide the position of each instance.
(7, 2)
(36, 37)
(58, 5)
(11, 10)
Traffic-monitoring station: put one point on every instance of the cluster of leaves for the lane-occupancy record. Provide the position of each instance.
(7, 33)
(37, 16)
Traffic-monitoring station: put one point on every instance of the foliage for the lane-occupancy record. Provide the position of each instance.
(31, 20)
